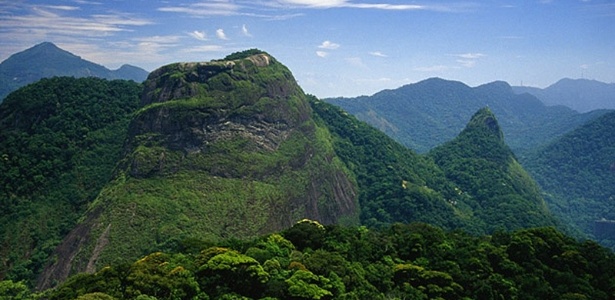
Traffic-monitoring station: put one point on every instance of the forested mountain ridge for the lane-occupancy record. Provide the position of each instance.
(582, 95)
(503, 195)
(47, 60)
(233, 148)
(577, 173)
(431, 112)
(60, 139)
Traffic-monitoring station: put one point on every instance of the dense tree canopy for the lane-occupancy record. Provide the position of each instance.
(311, 261)
(60, 139)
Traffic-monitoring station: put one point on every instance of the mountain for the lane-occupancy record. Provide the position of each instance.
(47, 60)
(211, 151)
(582, 95)
(503, 195)
(218, 149)
(60, 139)
(577, 173)
(431, 112)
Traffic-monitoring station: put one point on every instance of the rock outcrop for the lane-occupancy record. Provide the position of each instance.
(219, 149)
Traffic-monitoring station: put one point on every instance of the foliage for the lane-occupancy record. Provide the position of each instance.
(396, 184)
(577, 173)
(59, 141)
(503, 196)
(415, 261)
(429, 113)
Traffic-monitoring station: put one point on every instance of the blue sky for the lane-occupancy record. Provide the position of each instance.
(335, 47)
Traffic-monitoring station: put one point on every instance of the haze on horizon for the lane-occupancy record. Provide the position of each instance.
(335, 47)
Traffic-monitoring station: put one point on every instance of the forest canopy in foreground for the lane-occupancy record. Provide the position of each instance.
(311, 261)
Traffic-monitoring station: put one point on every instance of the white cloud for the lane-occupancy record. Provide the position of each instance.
(316, 3)
(470, 55)
(322, 53)
(213, 8)
(221, 35)
(467, 63)
(328, 45)
(56, 21)
(356, 61)
(245, 31)
(377, 53)
(346, 3)
(205, 48)
(436, 68)
(62, 7)
(199, 35)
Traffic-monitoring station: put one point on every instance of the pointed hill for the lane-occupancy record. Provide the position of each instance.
(577, 173)
(502, 194)
(428, 113)
(47, 60)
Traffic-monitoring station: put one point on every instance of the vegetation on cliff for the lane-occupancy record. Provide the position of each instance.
(218, 149)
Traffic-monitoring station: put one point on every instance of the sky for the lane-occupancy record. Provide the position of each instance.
(335, 47)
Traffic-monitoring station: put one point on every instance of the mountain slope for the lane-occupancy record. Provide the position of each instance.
(577, 173)
(60, 139)
(582, 95)
(503, 195)
(219, 149)
(47, 60)
(431, 112)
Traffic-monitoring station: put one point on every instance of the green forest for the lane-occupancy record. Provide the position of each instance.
(60, 140)
(312, 261)
(192, 184)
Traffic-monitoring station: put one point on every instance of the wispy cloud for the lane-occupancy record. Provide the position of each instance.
(329, 45)
(245, 31)
(378, 54)
(469, 55)
(356, 62)
(199, 35)
(345, 3)
(322, 4)
(468, 60)
(212, 8)
(205, 48)
(47, 21)
(221, 35)
(435, 68)
(322, 54)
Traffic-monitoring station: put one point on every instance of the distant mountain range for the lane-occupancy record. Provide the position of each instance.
(47, 60)
(582, 95)
(428, 113)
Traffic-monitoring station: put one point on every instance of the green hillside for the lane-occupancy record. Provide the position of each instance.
(577, 173)
(219, 151)
(60, 139)
(502, 194)
(431, 112)
(311, 261)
